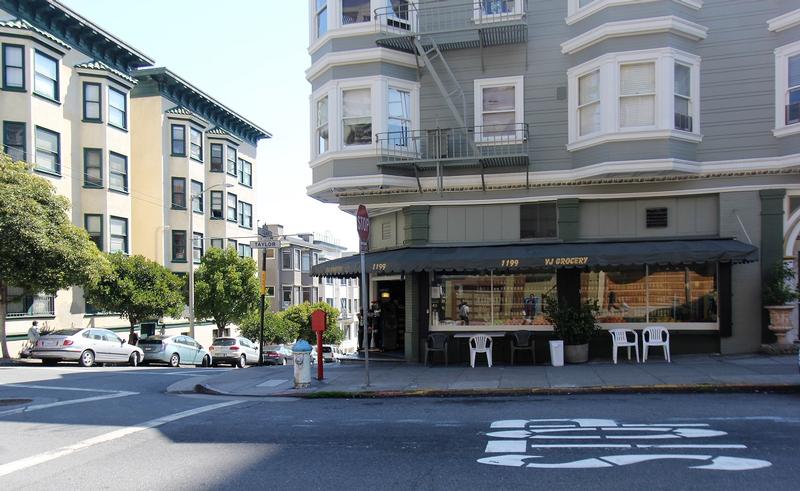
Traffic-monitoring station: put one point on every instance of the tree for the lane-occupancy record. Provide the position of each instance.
(301, 315)
(225, 287)
(276, 328)
(40, 250)
(138, 289)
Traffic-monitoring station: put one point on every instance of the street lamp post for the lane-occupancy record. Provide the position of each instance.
(191, 255)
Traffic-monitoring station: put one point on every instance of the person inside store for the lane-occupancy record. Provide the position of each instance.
(463, 313)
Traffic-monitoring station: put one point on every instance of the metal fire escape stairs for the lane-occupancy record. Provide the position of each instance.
(402, 32)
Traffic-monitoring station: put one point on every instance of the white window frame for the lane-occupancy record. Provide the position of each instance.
(782, 55)
(609, 69)
(335, 27)
(576, 13)
(480, 17)
(318, 126)
(340, 121)
(379, 86)
(579, 106)
(518, 83)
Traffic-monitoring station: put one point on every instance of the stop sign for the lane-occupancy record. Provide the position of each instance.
(362, 223)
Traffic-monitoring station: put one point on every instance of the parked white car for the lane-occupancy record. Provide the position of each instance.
(86, 346)
(239, 352)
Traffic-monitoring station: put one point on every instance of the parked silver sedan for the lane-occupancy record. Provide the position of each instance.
(86, 346)
(174, 350)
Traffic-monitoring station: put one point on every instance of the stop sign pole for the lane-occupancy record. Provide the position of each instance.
(362, 225)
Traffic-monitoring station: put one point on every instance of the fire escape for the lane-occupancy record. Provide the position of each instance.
(428, 30)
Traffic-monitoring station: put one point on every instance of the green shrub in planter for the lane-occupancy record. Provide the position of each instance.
(776, 289)
(575, 325)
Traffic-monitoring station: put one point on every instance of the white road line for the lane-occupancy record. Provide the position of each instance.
(41, 458)
(37, 407)
(48, 387)
(622, 445)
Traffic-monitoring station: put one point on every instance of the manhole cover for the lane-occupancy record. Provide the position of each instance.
(14, 402)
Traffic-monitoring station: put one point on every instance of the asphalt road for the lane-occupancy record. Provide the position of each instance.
(117, 428)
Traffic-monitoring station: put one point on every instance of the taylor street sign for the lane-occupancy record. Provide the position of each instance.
(265, 244)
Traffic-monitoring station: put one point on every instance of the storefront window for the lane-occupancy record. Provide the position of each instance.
(490, 299)
(683, 294)
(653, 293)
(621, 294)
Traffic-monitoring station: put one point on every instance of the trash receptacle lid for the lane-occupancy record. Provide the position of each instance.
(301, 346)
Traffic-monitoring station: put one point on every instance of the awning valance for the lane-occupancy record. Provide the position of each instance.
(519, 257)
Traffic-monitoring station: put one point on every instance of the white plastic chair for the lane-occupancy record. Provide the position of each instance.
(480, 343)
(655, 336)
(619, 338)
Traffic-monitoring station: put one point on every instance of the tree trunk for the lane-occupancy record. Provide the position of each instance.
(3, 309)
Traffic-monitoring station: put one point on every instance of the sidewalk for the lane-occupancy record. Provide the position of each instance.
(685, 374)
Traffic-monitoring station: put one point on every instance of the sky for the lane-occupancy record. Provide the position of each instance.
(251, 56)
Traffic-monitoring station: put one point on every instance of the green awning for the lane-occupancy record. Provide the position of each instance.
(521, 257)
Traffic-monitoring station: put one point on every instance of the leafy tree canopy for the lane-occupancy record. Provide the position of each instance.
(276, 328)
(40, 250)
(301, 315)
(225, 287)
(138, 289)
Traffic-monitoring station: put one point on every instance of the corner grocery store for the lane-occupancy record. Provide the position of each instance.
(684, 285)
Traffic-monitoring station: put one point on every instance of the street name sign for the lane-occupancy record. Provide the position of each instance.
(265, 244)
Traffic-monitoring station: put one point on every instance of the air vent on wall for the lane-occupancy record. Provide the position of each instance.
(386, 231)
(656, 218)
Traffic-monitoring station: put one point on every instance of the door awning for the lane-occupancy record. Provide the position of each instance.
(520, 257)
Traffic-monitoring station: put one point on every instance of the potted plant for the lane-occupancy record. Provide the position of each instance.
(574, 325)
(777, 293)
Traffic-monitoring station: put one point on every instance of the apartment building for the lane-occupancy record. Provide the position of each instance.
(289, 269)
(640, 153)
(103, 128)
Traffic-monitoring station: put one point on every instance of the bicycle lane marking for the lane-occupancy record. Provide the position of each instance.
(43, 457)
(106, 394)
(518, 436)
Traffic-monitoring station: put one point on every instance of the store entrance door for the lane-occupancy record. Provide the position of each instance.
(390, 337)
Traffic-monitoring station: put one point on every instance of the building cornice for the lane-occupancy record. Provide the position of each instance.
(785, 21)
(635, 27)
(358, 56)
(578, 14)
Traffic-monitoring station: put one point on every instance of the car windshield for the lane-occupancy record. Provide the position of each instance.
(66, 332)
(224, 342)
(326, 349)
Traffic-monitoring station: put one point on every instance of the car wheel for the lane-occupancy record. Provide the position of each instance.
(134, 359)
(283, 361)
(86, 359)
(174, 360)
(242, 361)
(206, 361)
(49, 362)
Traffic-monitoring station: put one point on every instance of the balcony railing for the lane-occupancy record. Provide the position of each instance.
(489, 145)
(32, 306)
(459, 25)
(793, 113)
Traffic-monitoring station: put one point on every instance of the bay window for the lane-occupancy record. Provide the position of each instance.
(589, 103)
(321, 18)
(231, 160)
(196, 144)
(355, 11)
(13, 67)
(178, 140)
(117, 108)
(178, 246)
(637, 95)
(93, 167)
(216, 157)
(787, 90)
(92, 102)
(399, 116)
(216, 205)
(683, 97)
(322, 125)
(232, 203)
(356, 117)
(632, 96)
(197, 247)
(793, 91)
(14, 140)
(197, 196)
(119, 235)
(48, 150)
(179, 193)
(45, 76)
(94, 226)
(118, 172)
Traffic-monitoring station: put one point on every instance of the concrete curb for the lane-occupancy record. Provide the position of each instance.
(610, 389)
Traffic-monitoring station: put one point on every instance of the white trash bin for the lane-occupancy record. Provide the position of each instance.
(301, 354)
(557, 353)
